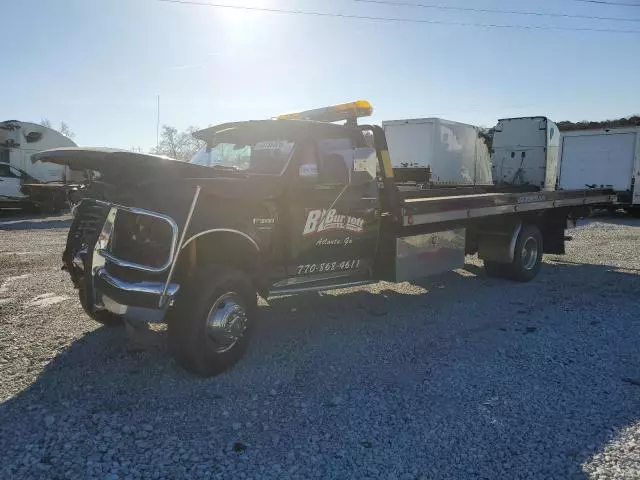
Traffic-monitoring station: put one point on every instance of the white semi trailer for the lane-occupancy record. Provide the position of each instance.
(603, 158)
(454, 152)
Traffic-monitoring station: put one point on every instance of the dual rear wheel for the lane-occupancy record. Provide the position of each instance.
(527, 258)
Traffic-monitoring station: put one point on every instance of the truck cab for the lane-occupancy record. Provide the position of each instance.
(525, 152)
(268, 206)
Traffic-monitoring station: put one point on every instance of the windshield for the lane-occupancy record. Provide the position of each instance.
(263, 157)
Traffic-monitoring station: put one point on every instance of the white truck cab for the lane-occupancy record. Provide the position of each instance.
(525, 152)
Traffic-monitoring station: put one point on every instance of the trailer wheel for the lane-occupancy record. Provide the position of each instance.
(527, 256)
(211, 322)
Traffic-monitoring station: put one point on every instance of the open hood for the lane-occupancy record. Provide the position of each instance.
(120, 167)
(106, 160)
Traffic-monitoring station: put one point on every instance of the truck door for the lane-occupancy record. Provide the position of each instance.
(333, 220)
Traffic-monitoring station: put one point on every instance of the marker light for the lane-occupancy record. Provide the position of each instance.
(334, 113)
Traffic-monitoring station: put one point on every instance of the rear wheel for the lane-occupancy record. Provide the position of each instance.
(527, 258)
(211, 323)
(528, 255)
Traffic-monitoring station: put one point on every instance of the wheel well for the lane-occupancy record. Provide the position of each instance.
(214, 249)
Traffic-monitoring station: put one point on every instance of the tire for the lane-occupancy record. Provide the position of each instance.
(104, 317)
(526, 261)
(527, 256)
(201, 338)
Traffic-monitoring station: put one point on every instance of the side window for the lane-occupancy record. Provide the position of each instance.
(307, 161)
(7, 171)
(335, 156)
(15, 172)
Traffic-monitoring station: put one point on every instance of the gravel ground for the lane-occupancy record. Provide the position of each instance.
(460, 376)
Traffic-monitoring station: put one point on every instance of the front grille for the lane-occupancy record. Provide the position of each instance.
(141, 239)
(86, 225)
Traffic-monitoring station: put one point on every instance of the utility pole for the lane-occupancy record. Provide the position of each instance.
(158, 125)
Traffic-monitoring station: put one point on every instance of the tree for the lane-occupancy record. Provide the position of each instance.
(64, 129)
(178, 145)
(633, 121)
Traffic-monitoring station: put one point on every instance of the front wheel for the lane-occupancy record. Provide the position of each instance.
(212, 320)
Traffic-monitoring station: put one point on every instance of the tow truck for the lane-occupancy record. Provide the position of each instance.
(306, 201)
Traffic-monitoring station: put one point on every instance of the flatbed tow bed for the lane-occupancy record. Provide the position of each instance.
(433, 211)
(271, 207)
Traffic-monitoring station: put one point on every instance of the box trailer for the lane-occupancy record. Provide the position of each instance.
(454, 152)
(603, 158)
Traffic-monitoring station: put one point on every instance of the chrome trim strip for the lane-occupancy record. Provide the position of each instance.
(228, 230)
(109, 224)
(147, 288)
(335, 286)
(136, 266)
(174, 259)
(298, 281)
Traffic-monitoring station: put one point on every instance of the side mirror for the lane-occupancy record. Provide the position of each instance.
(308, 172)
(365, 165)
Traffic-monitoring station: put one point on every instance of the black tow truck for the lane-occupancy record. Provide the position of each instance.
(292, 204)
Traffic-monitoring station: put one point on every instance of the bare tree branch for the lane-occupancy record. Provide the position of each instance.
(178, 145)
(64, 127)
(65, 130)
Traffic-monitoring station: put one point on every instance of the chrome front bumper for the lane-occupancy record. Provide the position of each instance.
(118, 296)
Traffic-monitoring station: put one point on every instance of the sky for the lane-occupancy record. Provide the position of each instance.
(100, 65)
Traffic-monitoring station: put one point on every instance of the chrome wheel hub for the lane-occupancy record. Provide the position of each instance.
(226, 321)
(529, 253)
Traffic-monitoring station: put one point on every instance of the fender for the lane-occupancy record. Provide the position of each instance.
(247, 256)
(226, 230)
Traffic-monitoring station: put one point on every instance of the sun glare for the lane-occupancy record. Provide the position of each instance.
(238, 21)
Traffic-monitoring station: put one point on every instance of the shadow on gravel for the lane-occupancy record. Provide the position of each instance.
(34, 224)
(617, 218)
(494, 387)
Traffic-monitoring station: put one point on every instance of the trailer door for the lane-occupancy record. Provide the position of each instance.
(604, 160)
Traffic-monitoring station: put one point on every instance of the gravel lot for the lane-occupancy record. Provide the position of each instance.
(460, 376)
